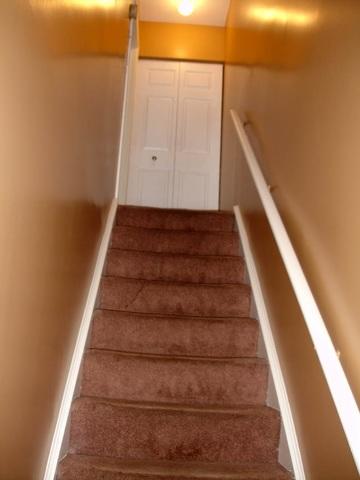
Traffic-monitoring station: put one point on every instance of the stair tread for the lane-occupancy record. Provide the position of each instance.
(153, 431)
(178, 233)
(193, 220)
(173, 334)
(234, 258)
(175, 241)
(174, 267)
(181, 409)
(161, 378)
(177, 211)
(176, 470)
(178, 358)
(185, 318)
(182, 298)
(192, 285)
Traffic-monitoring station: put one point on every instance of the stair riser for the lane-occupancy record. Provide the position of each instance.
(145, 434)
(124, 263)
(174, 299)
(175, 220)
(188, 382)
(174, 336)
(188, 243)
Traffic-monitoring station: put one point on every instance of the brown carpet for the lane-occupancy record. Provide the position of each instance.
(171, 384)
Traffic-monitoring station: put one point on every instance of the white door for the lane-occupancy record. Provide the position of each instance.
(175, 146)
(197, 155)
(152, 155)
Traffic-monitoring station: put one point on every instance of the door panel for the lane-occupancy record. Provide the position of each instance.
(175, 152)
(195, 127)
(197, 156)
(193, 189)
(158, 135)
(153, 137)
(197, 79)
(153, 188)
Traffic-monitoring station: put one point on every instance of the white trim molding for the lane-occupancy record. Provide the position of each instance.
(270, 347)
(76, 360)
(337, 381)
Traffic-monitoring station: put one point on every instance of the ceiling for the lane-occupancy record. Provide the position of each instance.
(206, 12)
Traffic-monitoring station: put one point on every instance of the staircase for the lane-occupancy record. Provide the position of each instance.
(171, 386)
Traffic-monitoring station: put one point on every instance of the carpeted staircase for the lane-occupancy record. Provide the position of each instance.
(171, 385)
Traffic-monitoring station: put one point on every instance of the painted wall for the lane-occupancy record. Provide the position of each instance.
(294, 71)
(59, 131)
(182, 41)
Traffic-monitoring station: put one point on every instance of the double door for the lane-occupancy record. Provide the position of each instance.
(176, 135)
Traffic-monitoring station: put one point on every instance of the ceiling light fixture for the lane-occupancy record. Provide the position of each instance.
(186, 7)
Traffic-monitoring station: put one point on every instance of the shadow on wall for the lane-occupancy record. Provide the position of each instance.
(60, 97)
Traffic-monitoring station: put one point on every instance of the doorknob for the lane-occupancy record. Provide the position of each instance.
(154, 158)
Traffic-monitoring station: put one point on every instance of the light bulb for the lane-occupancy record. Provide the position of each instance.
(186, 8)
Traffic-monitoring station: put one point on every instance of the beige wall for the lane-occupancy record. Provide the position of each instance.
(182, 41)
(293, 68)
(59, 131)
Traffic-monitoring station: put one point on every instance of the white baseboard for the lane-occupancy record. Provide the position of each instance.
(275, 367)
(75, 364)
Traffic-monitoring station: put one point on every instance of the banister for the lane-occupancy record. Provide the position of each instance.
(337, 381)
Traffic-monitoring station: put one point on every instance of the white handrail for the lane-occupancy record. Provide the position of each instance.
(340, 389)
